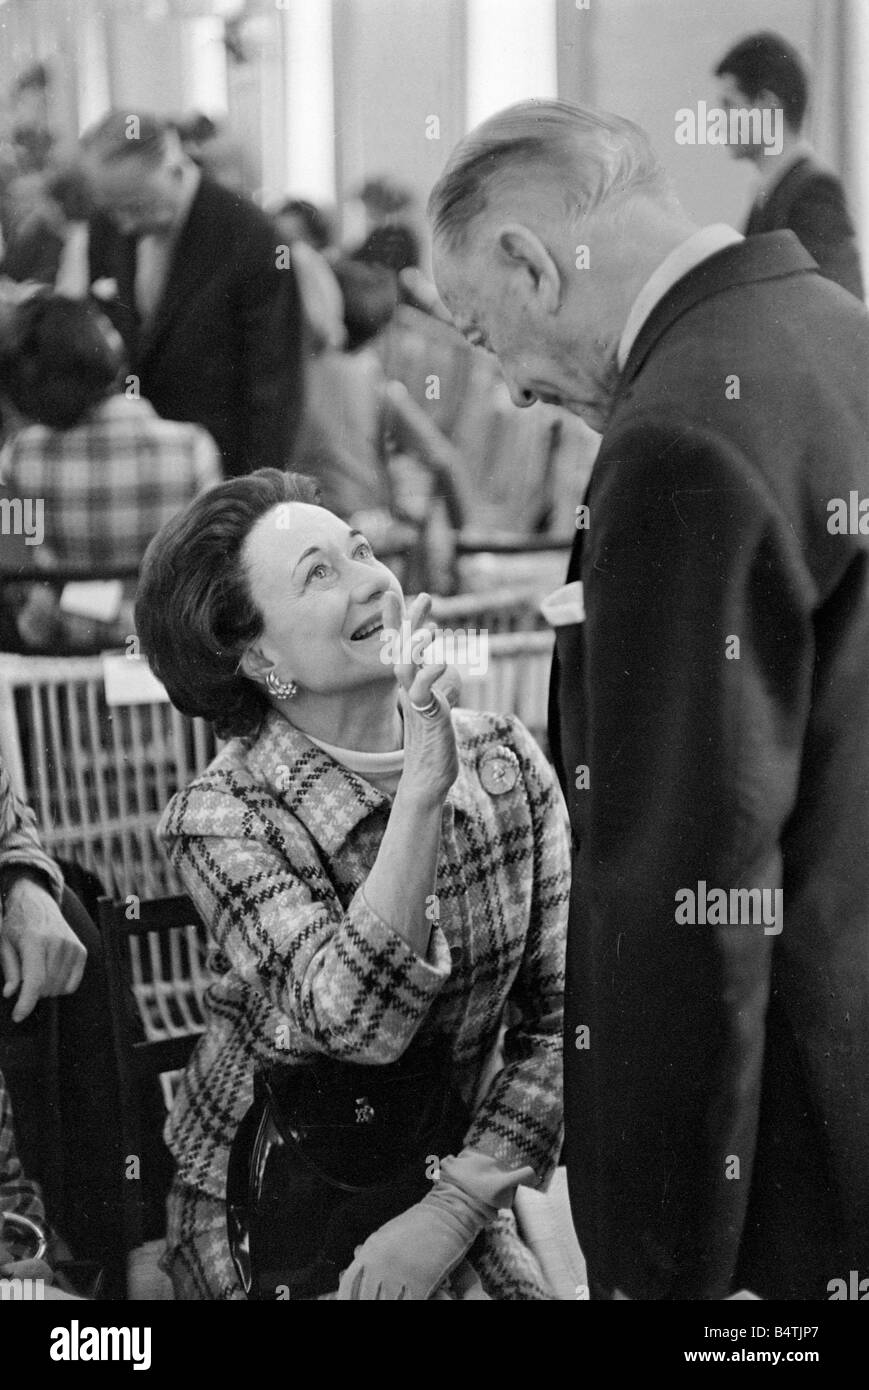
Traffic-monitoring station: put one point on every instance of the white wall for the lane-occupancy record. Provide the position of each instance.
(397, 63)
(647, 58)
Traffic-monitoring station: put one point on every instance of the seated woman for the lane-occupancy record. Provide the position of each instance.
(374, 869)
(100, 469)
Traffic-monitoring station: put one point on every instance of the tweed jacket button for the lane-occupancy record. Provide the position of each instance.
(499, 769)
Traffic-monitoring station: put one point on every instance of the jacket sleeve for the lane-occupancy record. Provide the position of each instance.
(348, 984)
(19, 840)
(519, 1119)
(698, 654)
(271, 331)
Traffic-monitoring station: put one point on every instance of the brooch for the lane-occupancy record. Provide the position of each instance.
(499, 769)
(364, 1111)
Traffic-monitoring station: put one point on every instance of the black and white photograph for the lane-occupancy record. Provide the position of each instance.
(434, 670)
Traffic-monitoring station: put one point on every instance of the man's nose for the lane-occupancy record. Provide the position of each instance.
(519, 395)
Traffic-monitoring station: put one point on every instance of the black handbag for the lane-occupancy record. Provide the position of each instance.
(327, 1153)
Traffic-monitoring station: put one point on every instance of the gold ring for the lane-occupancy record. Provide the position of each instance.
(429, 710)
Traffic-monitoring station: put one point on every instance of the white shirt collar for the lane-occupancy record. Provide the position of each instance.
(683, 258)
(365, 763)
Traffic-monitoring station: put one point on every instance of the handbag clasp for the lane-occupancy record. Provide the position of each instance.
(364, 1111)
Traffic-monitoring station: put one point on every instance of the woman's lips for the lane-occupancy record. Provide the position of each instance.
(369, 629)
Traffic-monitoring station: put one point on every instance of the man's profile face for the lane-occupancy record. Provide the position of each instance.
(494, 306)
(141, 198)
(731, 97)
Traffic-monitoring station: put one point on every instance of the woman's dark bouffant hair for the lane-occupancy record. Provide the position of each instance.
(194, 612)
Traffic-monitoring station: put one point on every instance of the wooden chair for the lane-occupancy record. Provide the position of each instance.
(156, 952)
(502, 610)
(515, 679)
(419, 350)
(527, 472)
(97, 775)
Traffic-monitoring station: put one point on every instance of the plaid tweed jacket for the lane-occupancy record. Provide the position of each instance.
(274, 843)
(20, 846)
(18, 1194)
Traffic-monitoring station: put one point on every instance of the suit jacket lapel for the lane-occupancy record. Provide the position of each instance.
(767, 257)
(772, 214)
(193, 261)
(781, 200)
(760, 258)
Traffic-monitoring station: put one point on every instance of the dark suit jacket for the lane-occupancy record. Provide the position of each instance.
(224, 349)
(709, 1043)
(810, 200)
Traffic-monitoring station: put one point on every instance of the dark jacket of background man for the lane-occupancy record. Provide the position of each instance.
(224, 348)
(717, 1113)
(810, 200)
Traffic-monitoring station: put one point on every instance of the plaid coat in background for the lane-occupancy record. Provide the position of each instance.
(274, 843)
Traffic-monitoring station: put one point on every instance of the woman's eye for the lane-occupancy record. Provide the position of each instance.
(318, 571)
(363, 549)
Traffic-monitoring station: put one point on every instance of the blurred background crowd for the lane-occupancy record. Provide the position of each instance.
(253, 260)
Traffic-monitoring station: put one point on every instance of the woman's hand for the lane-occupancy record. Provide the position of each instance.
(413, 1254)
(401, 888)
(431, 762)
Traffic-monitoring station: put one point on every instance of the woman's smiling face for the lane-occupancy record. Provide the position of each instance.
(319, 588)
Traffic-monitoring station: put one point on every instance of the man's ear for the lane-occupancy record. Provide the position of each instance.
(525, 249)
(765, 98)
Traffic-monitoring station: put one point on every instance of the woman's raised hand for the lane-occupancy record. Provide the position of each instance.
(431, 762)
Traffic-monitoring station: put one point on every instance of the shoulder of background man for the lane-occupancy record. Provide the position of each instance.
(246, 226)
(809, 182)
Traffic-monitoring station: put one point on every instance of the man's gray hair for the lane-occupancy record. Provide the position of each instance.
(592, 155)
(125, 135)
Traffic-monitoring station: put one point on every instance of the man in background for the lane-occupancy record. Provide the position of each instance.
(763, 72)
(194, 281)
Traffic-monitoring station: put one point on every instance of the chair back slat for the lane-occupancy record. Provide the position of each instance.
(97, 776)
(516, 680)
(158, 953)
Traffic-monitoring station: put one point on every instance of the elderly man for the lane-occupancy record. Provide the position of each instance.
(710, 703)
(195, 281)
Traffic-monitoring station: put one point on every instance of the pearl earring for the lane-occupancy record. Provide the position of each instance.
(282, 690)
